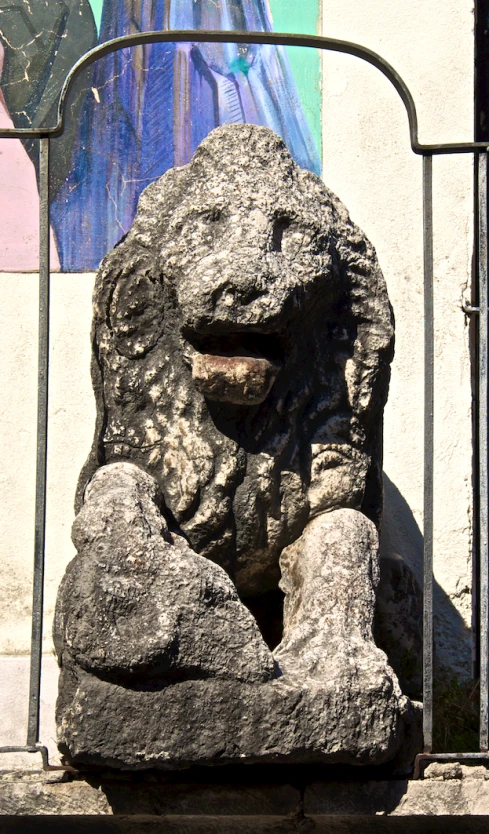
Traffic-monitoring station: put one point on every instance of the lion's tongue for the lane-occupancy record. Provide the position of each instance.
(243, 380)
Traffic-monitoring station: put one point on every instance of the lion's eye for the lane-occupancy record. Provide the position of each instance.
(279, 226)
(212, 215)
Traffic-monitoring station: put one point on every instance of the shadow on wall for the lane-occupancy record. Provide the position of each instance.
(399, 614)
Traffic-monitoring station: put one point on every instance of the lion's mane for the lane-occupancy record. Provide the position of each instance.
(241, 250)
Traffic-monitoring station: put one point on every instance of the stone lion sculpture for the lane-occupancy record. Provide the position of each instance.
(242, 336)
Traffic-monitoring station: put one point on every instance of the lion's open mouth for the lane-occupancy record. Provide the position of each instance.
(239, 368)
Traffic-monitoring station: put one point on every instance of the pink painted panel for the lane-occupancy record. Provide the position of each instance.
(19, 203)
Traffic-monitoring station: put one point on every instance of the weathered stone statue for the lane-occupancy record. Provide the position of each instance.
(242, 337)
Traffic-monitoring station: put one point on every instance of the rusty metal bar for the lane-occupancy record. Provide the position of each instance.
(260, 38)
(483, 461)
(429, 349)
(41, 455)
(44, 753)
(424, 758)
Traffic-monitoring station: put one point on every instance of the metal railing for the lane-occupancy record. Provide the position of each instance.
(479, 150)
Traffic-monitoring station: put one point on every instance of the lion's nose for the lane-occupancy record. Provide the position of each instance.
(225, 296)
(240, 292)
(252, 224)
(249, 230)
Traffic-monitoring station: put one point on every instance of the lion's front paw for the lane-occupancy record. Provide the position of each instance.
(138, 606)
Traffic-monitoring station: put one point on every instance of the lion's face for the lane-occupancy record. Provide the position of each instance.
(254, 254)
(242, 336)
(247, 254)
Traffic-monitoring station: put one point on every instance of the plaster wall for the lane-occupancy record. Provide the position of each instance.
(369, 164)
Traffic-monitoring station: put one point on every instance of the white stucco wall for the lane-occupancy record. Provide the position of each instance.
(369, 164)
(71, 423)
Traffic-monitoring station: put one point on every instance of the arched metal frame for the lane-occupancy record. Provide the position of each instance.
(480, 149)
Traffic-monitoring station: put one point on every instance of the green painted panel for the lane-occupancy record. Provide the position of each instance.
(303, 17)
(97, 11)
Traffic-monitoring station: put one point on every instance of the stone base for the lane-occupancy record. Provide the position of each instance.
(218, 722)
(254, 800)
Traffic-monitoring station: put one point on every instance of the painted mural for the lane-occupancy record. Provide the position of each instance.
(40, 43)
(136, 112)
(19, 230)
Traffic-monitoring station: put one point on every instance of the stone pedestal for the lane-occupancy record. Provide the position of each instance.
(247, 800)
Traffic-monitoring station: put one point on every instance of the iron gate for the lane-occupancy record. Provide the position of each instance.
(480, 152)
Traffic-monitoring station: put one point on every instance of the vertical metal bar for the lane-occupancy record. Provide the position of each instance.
(483, 491)
(41, 457)
(428, 454)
